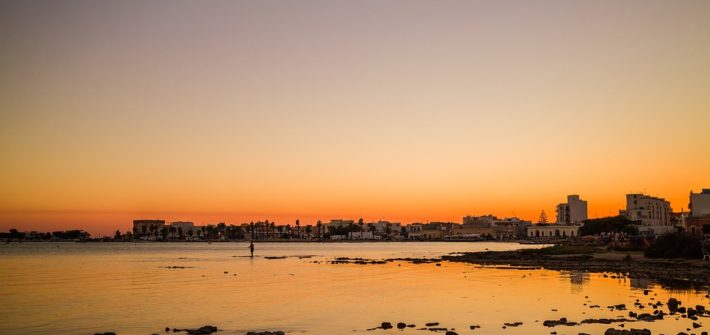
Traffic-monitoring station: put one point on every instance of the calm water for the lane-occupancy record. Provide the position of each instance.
(68, 288)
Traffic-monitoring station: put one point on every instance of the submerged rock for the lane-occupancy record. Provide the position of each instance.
(432, 324)
(386, 325)
(401, 325)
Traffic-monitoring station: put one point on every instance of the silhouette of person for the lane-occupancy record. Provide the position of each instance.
(251, 248)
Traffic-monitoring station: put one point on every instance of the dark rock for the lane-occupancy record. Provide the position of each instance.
(202, 330)
(411, 326)
(696, 325)
(106, 333)
(167, 329)
(474, 327)
(432, 324)
(612, 331)
(277, 332)
(451, 333)
(514, 324)
(673, 305)
(560, 322)
(401, 325)
(386, 325)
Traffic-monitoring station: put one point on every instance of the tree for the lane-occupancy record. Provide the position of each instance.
(164, 232)
(298, 228)
(172, 232)
(319, 226)
(361, 222)
(117, 235)
(309, 229)
(612, 224)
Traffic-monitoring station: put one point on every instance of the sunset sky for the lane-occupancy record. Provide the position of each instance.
(408, 111)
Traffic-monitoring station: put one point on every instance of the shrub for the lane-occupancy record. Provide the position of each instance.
(675, 245)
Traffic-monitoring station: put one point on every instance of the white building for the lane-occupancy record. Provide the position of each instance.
(183, 226)
(700, 203)
(414, 230)
(654, 214)
(574, 211)
(553, 231)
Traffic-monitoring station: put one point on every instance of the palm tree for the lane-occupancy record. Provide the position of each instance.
(309, 229)
(298, 228)
(361, 222)
(319, 225)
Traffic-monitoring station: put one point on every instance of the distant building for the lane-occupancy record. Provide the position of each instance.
(385, 228)
(700, 203)
(573, 212)
(484, 221)
(652, 213)
(436, 230)
(361, 235)
(552, 231)
(414, 231)
(339, 223)
(147, 228)
(698, 222)
(183, 226)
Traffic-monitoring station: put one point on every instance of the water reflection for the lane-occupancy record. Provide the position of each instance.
(141, 289)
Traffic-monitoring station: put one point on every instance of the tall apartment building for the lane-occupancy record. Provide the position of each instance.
(573, 212)
(700, 203)
(654, 214)
(699, 220)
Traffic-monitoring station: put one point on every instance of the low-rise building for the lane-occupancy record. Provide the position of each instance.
(145, 229)
(183, 227)
(552, 231)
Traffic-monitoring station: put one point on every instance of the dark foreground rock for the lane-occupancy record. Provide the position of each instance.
(612, 331)
(204, 330)
(277, 332)
(674, 273)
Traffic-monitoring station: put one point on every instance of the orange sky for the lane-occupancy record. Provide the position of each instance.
(405, 110)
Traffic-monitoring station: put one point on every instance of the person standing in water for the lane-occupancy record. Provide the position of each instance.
(251, 248)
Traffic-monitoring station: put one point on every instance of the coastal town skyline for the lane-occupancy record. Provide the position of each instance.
(583, 213)
(409, 110)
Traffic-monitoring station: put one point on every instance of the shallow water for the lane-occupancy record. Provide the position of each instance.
(71, 288)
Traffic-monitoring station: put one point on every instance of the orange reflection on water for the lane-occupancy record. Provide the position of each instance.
(128, 288)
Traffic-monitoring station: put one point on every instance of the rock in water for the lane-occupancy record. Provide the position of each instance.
(401, 325)
(386, 325)
(204, 330)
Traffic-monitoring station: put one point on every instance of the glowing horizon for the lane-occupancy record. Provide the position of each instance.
(405, 111)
